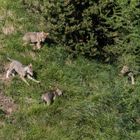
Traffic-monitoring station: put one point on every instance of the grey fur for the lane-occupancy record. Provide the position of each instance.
(51, 95)
(23, 71)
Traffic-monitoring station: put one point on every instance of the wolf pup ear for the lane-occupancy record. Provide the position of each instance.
(47, 34)
(30, 65)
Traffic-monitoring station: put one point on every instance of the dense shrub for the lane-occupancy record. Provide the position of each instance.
(100, 29)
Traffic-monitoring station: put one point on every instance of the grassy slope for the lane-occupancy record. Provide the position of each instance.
(97, 104)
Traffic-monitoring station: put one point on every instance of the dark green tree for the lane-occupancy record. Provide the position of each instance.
(97, 29)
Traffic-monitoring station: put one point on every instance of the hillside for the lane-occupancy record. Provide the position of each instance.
(97, 103)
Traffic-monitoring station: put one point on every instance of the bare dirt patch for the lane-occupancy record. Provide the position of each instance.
(7, 104)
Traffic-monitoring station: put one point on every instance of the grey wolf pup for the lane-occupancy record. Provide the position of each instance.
(23, 71)
(35, 38)
(51, 95)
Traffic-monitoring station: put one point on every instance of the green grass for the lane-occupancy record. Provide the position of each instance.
(97, 103)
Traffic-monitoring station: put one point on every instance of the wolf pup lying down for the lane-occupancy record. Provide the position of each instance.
(35, 38)
(23, 71)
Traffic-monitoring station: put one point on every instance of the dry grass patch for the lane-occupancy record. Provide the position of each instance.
(8, 29)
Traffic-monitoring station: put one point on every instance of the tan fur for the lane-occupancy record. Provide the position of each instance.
(124, 70)
(131, 75)
(35, 38)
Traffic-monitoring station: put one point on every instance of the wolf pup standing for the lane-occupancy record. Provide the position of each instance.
(35, 38)
(51, 95)
(125, 71)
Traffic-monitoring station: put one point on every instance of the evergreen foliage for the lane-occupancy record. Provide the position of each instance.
(79, 25)
(102, 29)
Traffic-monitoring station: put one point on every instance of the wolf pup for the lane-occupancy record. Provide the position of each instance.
(51, 95)
(35, 38)
(125, 71)
(23, 71)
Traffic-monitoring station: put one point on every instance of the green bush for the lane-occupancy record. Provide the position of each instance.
(79, 25)
(98, 29)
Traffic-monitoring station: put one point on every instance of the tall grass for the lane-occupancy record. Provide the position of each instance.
(97, 103)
